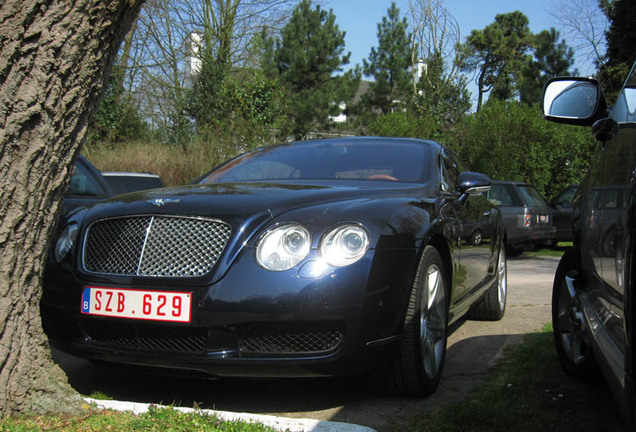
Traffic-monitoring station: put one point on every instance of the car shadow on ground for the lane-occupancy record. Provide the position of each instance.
(349, 399)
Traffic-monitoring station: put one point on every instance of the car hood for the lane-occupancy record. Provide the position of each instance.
(245, 200)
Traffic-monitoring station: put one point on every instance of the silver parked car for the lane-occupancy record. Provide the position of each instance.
(527, 215)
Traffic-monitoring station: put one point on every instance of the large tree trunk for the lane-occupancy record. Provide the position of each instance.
(55, 56)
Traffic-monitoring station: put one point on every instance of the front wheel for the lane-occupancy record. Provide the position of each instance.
(574, 353)
(492, 306)
(417, 368)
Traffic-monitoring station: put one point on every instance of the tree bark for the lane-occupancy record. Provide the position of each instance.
(55, 56)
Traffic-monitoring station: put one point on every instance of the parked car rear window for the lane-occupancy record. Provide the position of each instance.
(499, 195)
(531, 196)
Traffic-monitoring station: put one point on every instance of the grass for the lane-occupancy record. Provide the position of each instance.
(175, 165)
(155, 420)
(527, 392)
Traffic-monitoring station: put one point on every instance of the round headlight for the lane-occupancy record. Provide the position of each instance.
(344, 245)
(283, 247)
(65, 242)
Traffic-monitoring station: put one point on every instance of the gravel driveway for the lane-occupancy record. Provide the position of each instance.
(473, 348)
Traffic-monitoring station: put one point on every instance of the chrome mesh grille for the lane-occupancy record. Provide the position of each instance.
(302, 339)
(155, 246)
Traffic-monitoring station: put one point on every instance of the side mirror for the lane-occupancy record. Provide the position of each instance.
(577, 101)
(473, 183)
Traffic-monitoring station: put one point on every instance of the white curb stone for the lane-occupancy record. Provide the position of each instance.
(278, 423)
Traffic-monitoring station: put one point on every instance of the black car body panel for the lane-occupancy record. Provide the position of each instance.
(600, 267)
(246, 320)
(562, 213)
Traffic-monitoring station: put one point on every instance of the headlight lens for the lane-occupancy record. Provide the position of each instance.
(65, 242)
(344, 245)
(283, 247)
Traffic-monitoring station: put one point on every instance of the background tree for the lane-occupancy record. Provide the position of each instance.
(175, 40)
(440, 98)
(389, 65)
(550, 58)
(54, 60)
(308, 55)
(439, 88)
(117, 118)
(584, 24)
(497, 54)
(621, 39)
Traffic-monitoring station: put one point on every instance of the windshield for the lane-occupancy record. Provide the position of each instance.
(531, 196)
(333, 159)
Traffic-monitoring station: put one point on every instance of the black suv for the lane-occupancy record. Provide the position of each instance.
(593, 301)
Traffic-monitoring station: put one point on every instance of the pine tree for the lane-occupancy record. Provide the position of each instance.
(389, 64)
(498, 53)
(307, 56)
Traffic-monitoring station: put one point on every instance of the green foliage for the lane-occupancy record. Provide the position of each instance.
(306, 58)
(241, 104)
(389, 65)
(402, 124)
(511, 141)
(439, 98)
(527, 392)
(621, 39)
(205, 104)
(116, 118)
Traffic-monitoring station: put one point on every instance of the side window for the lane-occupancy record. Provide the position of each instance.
(499, 195)
(83, 183)
(625, 108)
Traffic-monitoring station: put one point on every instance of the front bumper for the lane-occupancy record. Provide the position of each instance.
(251, 322)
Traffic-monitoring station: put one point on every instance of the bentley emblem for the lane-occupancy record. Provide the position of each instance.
(161, 201)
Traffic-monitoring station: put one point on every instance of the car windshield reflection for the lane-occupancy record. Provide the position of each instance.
(406, 162)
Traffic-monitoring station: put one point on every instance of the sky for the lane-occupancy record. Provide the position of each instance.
(359, 19)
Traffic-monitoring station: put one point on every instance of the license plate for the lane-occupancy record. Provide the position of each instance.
(543, 218)
(137, 304)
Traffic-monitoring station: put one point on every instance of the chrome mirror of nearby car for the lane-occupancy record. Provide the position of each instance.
(573, 100)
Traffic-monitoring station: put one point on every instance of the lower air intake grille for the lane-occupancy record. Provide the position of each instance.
(291, 339)
(156, 246)
(152, 338)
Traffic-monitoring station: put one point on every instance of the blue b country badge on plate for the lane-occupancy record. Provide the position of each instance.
(86, 300)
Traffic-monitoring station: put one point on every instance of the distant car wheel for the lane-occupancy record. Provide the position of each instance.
(477, 237)
(574, 353)
(493, 306)
(417, 368)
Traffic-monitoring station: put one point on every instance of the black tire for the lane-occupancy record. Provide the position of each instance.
(417, 367)
(477, 237)
(575, 354)
(492, 306)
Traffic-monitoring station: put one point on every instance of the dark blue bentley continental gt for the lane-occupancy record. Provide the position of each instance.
(314, 258)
